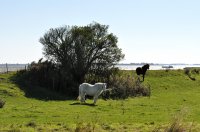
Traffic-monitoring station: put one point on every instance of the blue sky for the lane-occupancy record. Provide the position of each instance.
(157, 31)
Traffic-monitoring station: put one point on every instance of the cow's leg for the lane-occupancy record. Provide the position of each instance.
(83, 97)
(97, 95)
(95, 99)
(79, 96)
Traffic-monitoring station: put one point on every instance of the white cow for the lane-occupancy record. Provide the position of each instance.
(92, 90)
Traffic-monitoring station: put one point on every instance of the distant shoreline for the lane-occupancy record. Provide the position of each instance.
(155, 64)
(121, 66)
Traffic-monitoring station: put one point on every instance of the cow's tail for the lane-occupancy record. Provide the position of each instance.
(79, 96)
(108, 89)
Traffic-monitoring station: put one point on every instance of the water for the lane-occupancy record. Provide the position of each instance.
(12, 67)
(156, 66)
(17, 67)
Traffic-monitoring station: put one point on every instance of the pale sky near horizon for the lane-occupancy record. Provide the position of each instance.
(152, 31)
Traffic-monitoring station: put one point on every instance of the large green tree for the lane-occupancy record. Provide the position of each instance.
(78, 49)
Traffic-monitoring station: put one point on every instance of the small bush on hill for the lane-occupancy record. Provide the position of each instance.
(177, 123)
(195, 71)
(124, 86)
(101, 75)
(2, 103)
(50, 76)
(188, 71)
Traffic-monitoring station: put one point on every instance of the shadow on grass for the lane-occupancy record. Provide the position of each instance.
(87, 104)
(36, 92)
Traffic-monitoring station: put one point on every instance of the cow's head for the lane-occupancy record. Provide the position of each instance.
(104, 86)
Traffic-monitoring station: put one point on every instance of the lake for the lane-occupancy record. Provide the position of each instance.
(12, 67)
(17, 67)
(156, 66)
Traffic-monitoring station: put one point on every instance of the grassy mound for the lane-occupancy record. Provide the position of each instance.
(171, 93)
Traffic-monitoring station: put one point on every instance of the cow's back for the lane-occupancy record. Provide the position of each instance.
(87, 89)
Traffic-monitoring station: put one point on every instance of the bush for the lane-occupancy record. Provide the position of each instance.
(124, 86)
(101, 75)
(2, 103)
(48, 75)
(189, 73)
(52, 77)
(195, 71)
(177, 123)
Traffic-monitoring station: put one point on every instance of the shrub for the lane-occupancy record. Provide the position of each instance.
(101, 75)
(177, 123)
(189, 73)
(124, 86)
(2, 103)
(195, 71)
(52, 77)
(48, 75)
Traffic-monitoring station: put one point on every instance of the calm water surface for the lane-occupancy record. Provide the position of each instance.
(155, 67)
(16, 67)
(12, 67)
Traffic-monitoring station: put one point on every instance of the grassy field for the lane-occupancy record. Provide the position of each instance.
(174, 102)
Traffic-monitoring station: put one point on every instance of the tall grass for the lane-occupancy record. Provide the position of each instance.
(177, 122)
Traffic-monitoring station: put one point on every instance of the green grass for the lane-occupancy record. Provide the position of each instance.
(171, 93)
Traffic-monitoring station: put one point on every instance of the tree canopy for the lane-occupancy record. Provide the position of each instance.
(79, 48)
